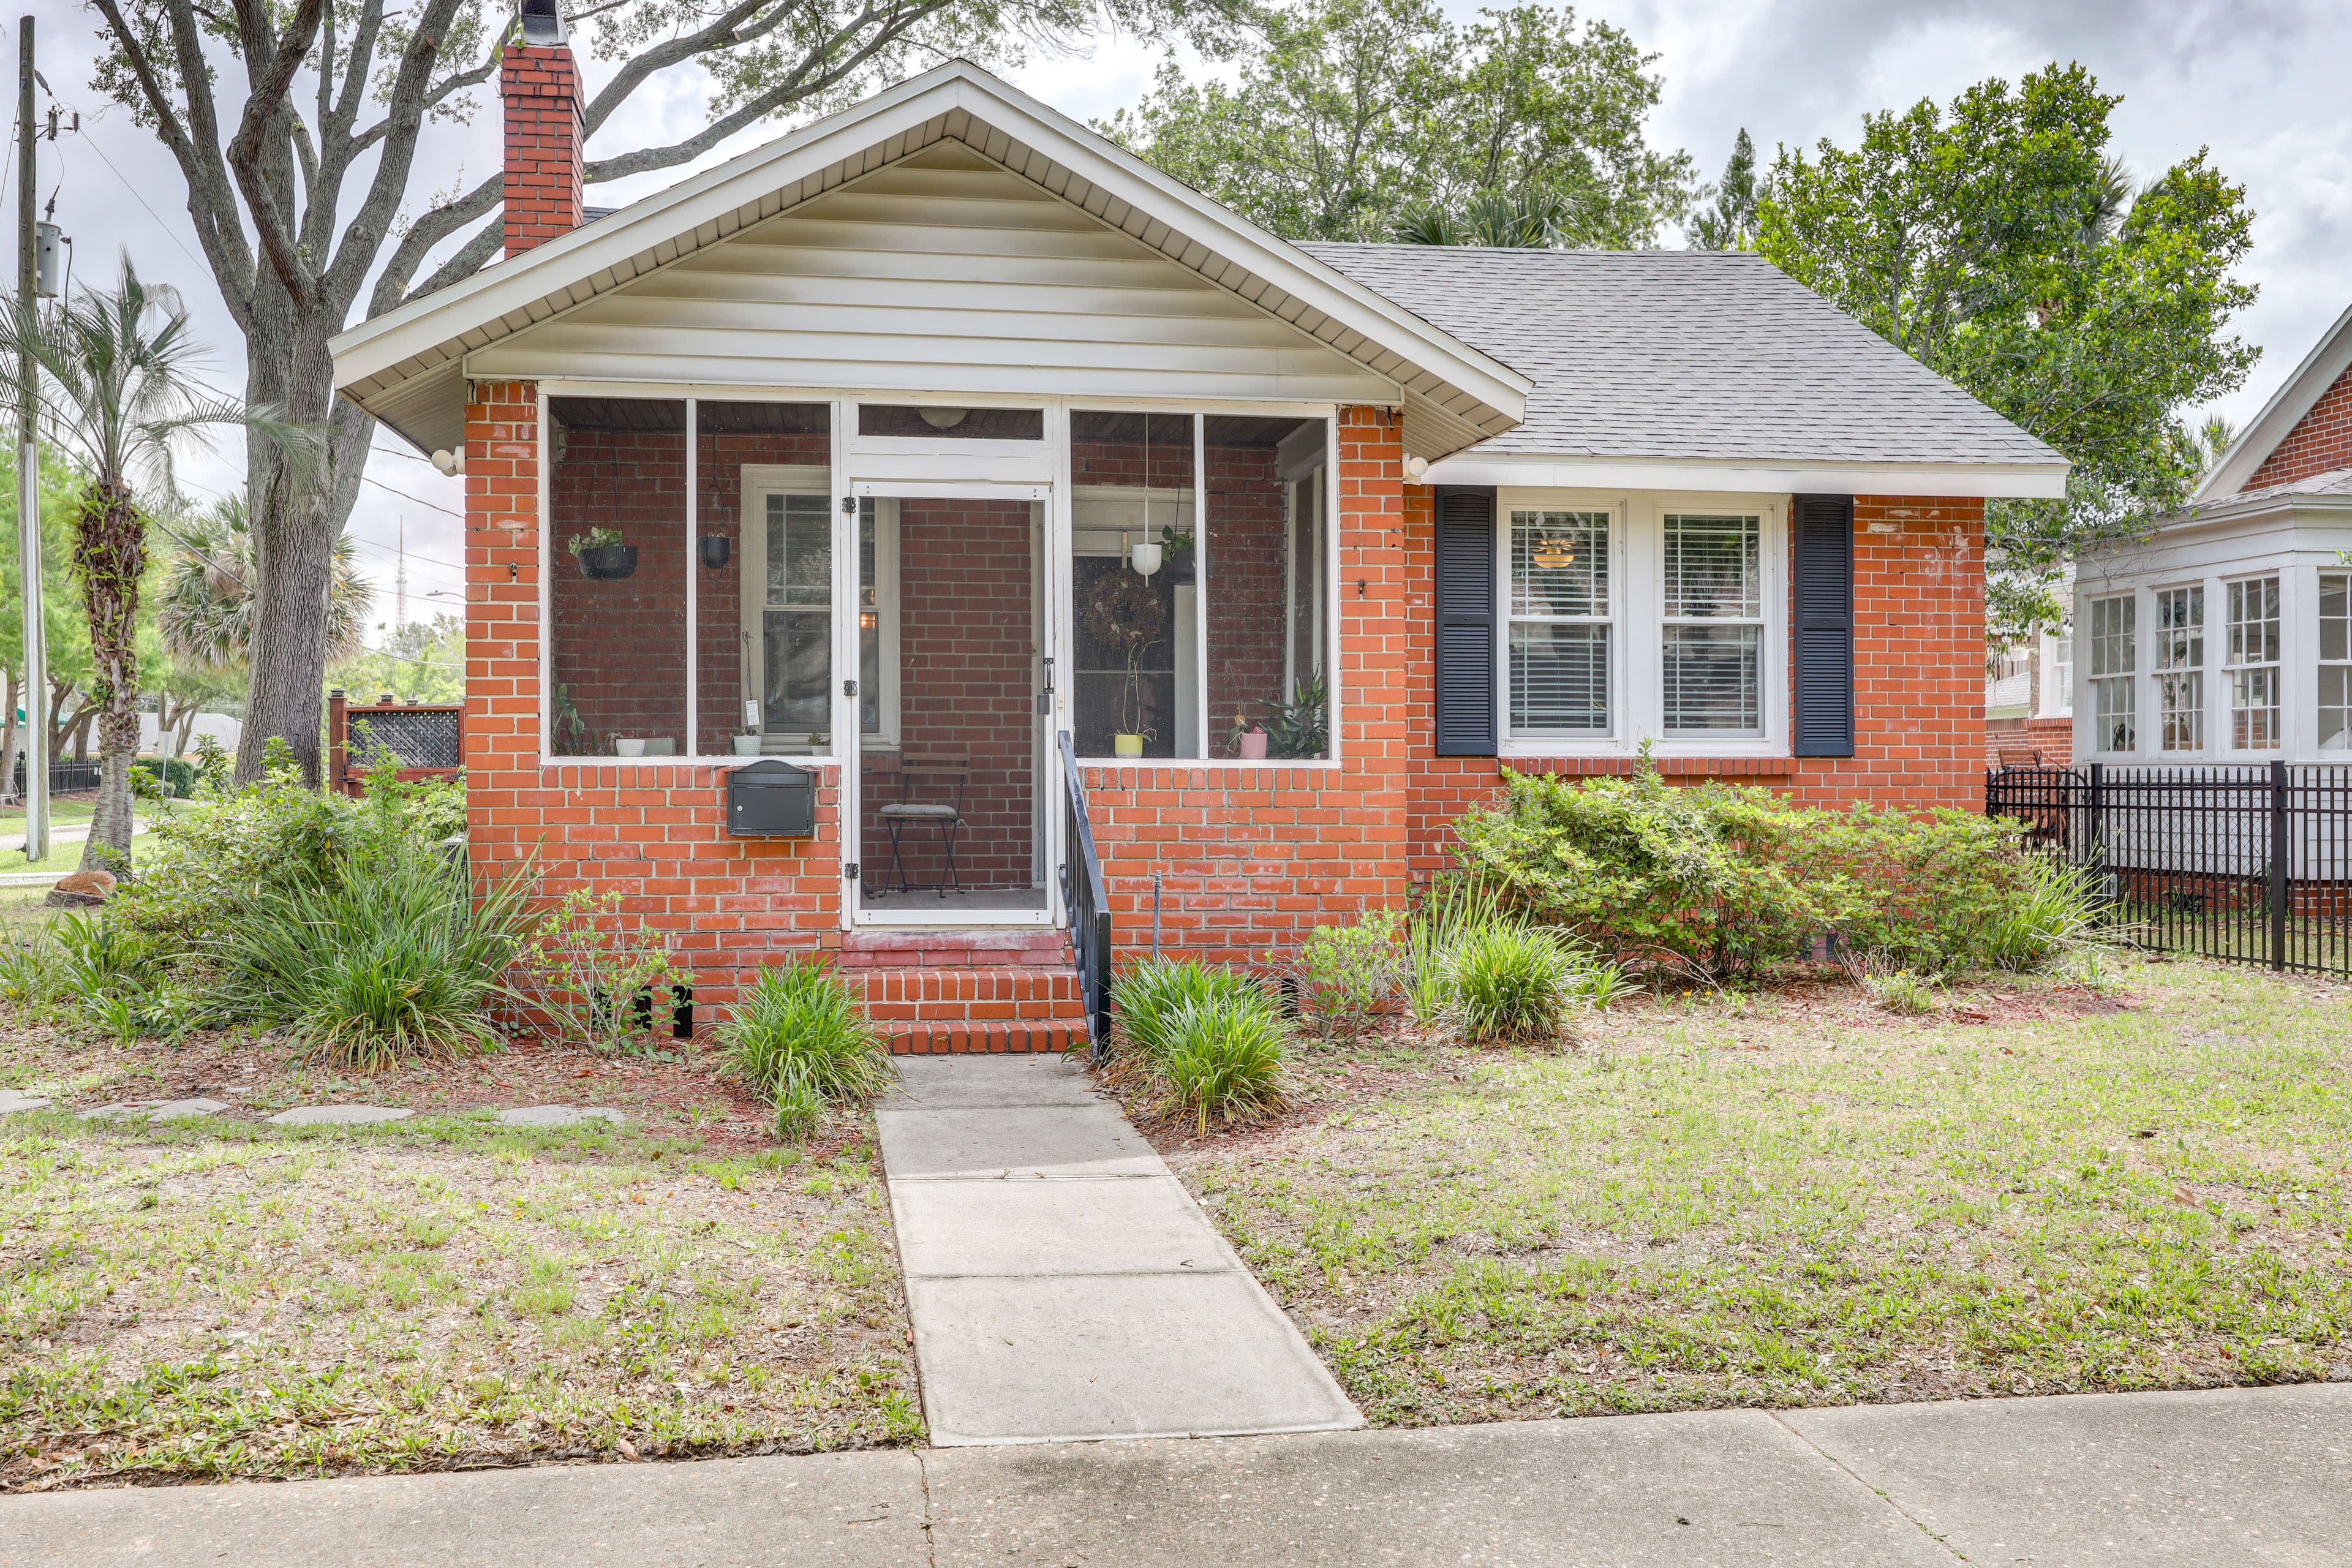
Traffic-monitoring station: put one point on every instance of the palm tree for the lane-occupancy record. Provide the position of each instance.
(1532, 220)
(116, 389)
(204, 606)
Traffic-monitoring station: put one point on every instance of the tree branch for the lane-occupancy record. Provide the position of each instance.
(429, 230)
(266, 102)
(404, 115)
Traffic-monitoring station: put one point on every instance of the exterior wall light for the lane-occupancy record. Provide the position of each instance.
(943, 418)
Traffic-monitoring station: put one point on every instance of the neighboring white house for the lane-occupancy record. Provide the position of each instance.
(2227, 637)
(2030, 695)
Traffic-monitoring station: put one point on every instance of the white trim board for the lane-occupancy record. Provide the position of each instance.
(1975, 479)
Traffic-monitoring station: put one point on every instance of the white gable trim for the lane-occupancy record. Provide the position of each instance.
(1461, 394)
(2320, 370)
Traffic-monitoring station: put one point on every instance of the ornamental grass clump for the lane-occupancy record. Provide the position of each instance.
(1222, 1060)
(1205, 1043)
(803, 1039)
(1508, 982)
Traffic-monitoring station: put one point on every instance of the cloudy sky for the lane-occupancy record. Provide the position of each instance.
(2260, 81)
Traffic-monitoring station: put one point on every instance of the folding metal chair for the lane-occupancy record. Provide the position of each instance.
(948, 773)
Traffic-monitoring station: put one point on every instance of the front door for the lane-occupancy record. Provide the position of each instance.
(951, 757)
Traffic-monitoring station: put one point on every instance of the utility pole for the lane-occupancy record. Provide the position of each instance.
(29, 468)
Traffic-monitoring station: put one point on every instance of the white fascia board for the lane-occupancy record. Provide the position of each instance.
(2037, 481)
(2329, 359)
(521, 283)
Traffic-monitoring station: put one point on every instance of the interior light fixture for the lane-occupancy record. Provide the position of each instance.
(943, 418)
(1552, 555)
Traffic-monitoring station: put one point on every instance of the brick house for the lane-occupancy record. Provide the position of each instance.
(2226, 635)
(951, 441)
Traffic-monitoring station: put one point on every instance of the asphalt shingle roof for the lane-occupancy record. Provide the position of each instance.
(1690, 354)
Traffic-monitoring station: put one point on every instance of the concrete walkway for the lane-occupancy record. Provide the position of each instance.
(1062, 1282)
(2217, 1479)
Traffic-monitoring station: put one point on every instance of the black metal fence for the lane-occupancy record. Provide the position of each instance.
(71, 777)
(2252, 864)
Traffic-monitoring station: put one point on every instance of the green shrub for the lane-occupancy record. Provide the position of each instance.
(1450, 909)
(1507, 981)
(1347, 976)
(375, 967)
(229, 851)
(804, 1042)
(1222, 1058)
(1147, 1000)
(177, 775)
(1902, 991)
(1703, 878)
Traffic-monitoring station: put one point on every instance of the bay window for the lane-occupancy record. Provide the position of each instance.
(2253, 665)
(2114, 658)
(2180, 668)
(2335, 661)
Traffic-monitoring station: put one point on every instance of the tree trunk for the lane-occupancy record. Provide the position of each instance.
(110, 554)
(299, 510)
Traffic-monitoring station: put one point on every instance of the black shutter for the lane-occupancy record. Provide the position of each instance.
(1465, 621)
(1823, 604)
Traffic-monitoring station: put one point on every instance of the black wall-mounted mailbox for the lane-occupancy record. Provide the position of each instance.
(771, 799)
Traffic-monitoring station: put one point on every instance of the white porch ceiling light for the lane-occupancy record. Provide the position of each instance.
(450, 463)
(943, 418)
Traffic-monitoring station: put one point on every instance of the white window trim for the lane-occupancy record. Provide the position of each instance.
(2318, 661)
(2224, 742)
(2054, 699)
(2152, 713)
(1637, 599)
(2087, 707)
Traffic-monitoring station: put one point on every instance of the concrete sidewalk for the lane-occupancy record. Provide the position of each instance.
(1061, 1281)
(2240, 1476)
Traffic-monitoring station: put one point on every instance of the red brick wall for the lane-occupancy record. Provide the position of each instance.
(966, 640)
(539, 86)
(655, 835)
(1248, 856)
(1246, 517)
(2320, 443)
(1919, 732)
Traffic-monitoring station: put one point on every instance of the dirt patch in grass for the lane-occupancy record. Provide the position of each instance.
(1798, 1198)
(223, 1299)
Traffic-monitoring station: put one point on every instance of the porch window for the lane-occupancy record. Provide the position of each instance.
(1219, 650)
(1714, 627)
(2254, 673)
(2180, 668)
(2335, 661)
(2115, 636)
(1560, 622)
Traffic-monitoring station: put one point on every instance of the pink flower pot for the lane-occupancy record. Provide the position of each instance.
(1254, 746)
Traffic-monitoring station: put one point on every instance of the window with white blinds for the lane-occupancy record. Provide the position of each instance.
(1713, 629)
(1560, 622)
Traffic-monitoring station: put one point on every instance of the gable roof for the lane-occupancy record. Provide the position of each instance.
(1692, 356)
(408, 366)
(2320, 368)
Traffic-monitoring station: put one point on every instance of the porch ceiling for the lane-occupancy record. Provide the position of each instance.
(410, 367)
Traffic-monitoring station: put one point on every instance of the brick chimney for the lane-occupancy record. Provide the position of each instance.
(540, 84)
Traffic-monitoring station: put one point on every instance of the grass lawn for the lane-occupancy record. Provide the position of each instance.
(223, 1299)
(1798, 1199)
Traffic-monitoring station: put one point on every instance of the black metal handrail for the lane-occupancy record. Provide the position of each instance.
(1083, 896)
(2248, 863)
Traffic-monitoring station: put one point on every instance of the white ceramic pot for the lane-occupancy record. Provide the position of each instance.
(746, 745)
(1127, 745)
(630, 746)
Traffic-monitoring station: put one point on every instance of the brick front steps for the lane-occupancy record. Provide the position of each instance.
(985, 991)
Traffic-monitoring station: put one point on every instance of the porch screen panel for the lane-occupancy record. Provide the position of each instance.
(1134, 642)
(1263, 587)
(760, 468)
(618, 628)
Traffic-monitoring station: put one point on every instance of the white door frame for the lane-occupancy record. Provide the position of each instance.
(897, 468)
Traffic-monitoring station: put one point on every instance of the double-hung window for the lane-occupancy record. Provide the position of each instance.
(1562, 626)
(2115, 696)
(2253, 672)
(2180, 668)
(1712, 629)
(2335, 661)
(2058, 683)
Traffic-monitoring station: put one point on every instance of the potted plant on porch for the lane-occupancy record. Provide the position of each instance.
(601, 555)
(1123, 612)
(747, 742)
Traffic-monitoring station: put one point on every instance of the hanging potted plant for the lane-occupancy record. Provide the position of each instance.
(1177, 543)
(601, 555)
(1123, 612)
